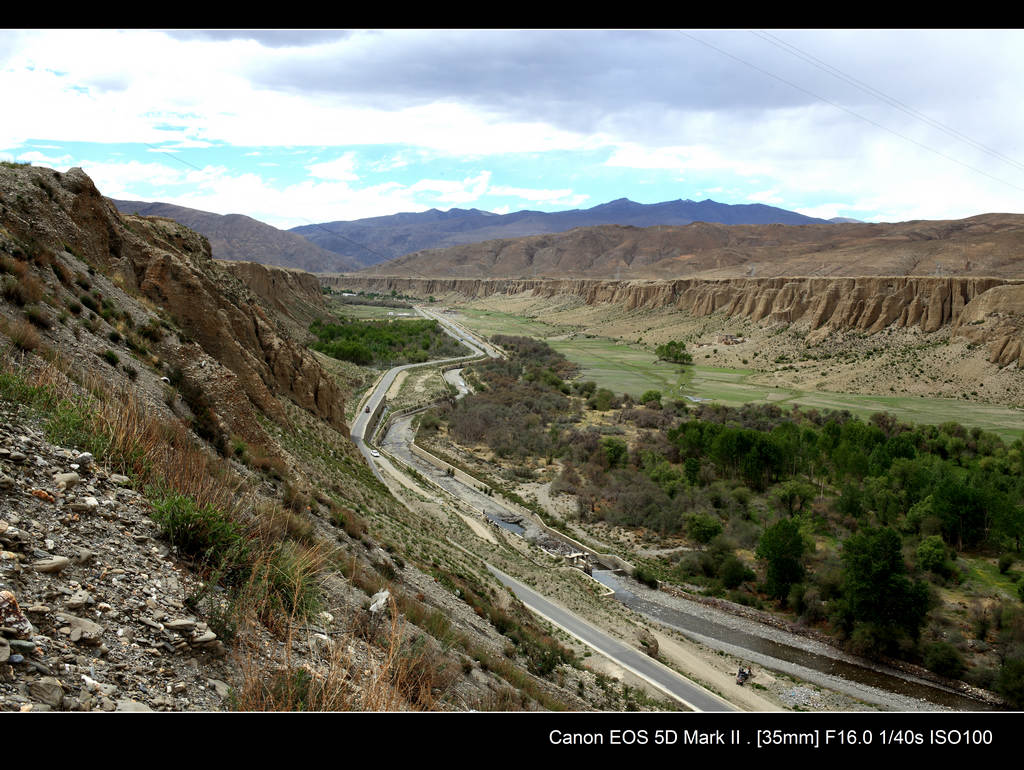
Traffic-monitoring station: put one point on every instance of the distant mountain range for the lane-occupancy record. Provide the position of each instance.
(378, 239)
(345, 246)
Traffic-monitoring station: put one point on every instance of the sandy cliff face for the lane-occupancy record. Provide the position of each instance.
(171, 266)
(984, 310)
(293, 295)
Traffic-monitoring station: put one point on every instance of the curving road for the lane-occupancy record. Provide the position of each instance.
(362, 419)
(665, 679)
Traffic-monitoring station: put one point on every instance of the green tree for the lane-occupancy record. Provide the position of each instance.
(651, 395)
(880, 604)
(675, 352)
(782, 547)
(615, 450)
(793, 496)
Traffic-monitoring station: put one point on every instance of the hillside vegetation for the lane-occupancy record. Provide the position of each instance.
(877, 532)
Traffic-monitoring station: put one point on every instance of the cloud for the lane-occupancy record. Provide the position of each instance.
(271, 38)
(717, 108)
(340, 169)
(566, 198)
(39, 158)
(454, 192)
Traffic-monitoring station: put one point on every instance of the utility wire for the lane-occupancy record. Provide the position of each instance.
(892, 102)
(850, 112)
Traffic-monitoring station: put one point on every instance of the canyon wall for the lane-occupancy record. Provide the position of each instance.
(983, 310)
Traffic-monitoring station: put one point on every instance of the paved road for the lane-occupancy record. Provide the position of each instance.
(361, 422)
(665, 679)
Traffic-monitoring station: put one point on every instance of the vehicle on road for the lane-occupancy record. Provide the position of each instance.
(375, 453)
(367, 410)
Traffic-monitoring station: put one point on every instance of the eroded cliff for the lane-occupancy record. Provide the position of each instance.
(983, 310)
(170, 266)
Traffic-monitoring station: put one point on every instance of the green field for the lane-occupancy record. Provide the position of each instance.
(371, 312)
(630, 368)
(490, 322)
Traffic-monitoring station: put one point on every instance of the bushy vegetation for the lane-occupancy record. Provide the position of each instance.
(520, 396)
(852, 521)
(384, 343)
(674, 351)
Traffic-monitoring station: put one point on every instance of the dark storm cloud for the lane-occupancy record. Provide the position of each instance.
(587, 80)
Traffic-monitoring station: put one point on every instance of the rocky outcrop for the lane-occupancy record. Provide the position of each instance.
(293, 295)
(824, 305)
(171, 266)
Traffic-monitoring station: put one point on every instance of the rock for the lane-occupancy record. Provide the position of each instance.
(47, 690)
(181, 625)
(84, 460)
(129, 705)
(84, 506)
(23, 646)
(648, 643)
(204, 638)
(223, 689)
(13, 618)
(120, 480)
(379, 601)
(5, 650)
(66, 480)
(79, 599)
(82, 631)
(97, 687)
(53, 564)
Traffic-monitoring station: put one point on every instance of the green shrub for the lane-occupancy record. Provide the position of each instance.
(110, 357)
(1010, 681)
(89, 301)
(702, 527)
(933, 555)
(646, 576)
(202, 533)
(945, 659)
(732, 572)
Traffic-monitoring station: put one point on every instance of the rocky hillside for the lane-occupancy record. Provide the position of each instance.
(987, 245)
(184, 523)
(294, 295)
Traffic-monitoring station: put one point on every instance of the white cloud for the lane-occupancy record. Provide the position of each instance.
(39, 158)
(337, 170)
(117, 180)
(455, 192)
(552, 197)
(769, 197)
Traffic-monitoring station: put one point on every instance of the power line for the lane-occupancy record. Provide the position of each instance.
(892, 102)
(850, 112)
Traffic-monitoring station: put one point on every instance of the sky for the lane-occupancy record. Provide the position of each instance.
(294, 127)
